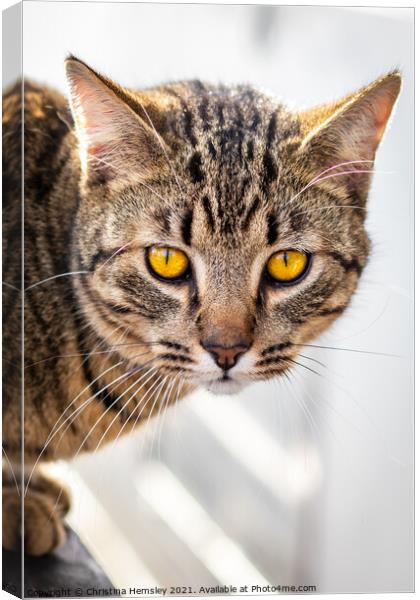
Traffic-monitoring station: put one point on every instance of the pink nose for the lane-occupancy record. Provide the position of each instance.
(226, 356)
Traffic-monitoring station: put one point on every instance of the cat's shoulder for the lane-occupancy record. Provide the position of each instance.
(46, 112)
(46, 118)
(40, 103)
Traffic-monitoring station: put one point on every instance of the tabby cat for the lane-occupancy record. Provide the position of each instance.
(186, 235)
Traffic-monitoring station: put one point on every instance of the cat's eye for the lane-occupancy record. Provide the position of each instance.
(168, 263)
(288, 266)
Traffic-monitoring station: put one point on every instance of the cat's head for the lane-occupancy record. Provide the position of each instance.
(223, 231)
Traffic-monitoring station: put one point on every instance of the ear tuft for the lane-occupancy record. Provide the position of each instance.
(114, 142)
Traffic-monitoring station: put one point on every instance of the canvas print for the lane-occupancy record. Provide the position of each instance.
(207, 327)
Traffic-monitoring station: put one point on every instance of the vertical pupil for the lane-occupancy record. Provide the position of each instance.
(286, 258)
(167, 256)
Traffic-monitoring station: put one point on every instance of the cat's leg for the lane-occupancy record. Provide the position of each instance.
(45, 505)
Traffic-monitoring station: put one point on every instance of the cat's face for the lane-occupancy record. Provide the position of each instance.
(208, 239)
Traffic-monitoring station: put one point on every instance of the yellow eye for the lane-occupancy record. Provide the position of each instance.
(168, 263)
(287, 266)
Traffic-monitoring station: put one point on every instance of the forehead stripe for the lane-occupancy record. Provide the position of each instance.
(195, 168)
(212, 149)
(209, 213)
(186, 227)
(250, 150)
(203, 112)
(271, 129)
(187, 116)
(269, 171)
(272, 232)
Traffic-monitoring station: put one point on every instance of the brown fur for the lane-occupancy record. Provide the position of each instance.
(211, 170)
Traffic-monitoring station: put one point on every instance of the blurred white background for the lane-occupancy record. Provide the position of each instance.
(307, 482)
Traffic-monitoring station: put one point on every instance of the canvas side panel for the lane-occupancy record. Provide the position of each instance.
(12, 384)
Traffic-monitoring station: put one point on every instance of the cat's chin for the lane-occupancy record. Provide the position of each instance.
(227, 387)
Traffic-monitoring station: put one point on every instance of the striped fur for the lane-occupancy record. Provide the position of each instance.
(216, 171)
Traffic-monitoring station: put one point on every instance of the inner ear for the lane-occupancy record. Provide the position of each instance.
(114, 142)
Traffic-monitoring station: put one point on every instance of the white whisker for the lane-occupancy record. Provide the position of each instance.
(343, 164)
(166, 401)
(148, 395)
(11, 470)
(153, 371)
(54, 429)
(122, 377)
(319, 179)
(34, 285)
(9, 285)
(114, 254)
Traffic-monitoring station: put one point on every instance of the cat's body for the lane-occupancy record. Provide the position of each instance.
(215, 173)
(57, 339)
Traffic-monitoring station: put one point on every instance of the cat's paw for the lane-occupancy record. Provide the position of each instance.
(45, 506)
(43, 524)
(11, 517)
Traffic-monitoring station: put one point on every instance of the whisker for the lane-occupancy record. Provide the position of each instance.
(302, 365)
(154, 389)
(165, 410)
(329, 207)
(181, 382)
(115, 254)
(332, 407)
(34, 285)
(112, 349)
(86, 437)
(336, 438)
(161, 405)
(151, 410)
(318, 362)
(54, 431)
(319, 179)
(372, 422)
(152, 370)
(290, 390)
(118, 380)
(9, 285)
(80, 448)
(11, 470)
(343, 164)
(308, 415)
(348, 350)
(99, 343)
(142, 403)
(95, 380)
(89, 384)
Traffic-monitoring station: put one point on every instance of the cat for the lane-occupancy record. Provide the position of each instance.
(181, 236)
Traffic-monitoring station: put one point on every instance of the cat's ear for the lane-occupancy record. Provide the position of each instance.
(114, 142)
(349, 130)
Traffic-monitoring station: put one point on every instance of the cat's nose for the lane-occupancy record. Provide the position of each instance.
(226, 357)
